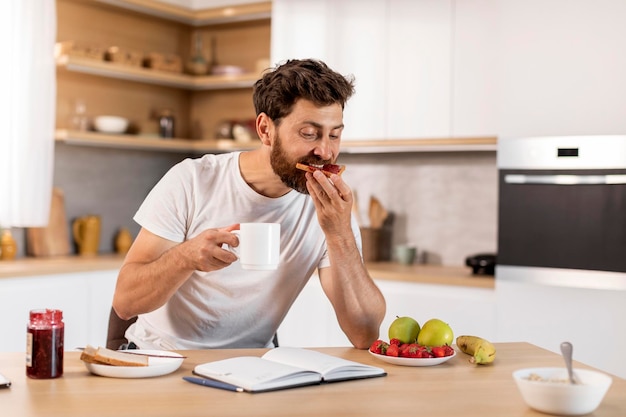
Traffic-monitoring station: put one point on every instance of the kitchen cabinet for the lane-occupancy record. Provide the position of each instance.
(350, 37)
(393, 95)
(418, 57)
(312, 322)
(591, 319)
(356, 43)
(199, 103)
(84, 297)
(474, 68)
(420, 68)
(561, 68)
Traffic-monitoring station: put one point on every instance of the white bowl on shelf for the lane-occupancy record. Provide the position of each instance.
(110, 124)
(551, 392)
(227, 70)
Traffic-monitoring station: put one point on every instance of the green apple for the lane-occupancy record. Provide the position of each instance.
(435, 332)
(405, 329)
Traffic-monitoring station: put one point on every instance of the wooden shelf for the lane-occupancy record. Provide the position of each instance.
(461, 144)
(153, 143)
(197, 17)
(150, 76)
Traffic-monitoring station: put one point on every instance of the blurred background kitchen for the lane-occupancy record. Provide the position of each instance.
(446, 200)
(439, 85)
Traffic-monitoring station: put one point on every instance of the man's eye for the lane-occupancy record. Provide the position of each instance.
(309, 135)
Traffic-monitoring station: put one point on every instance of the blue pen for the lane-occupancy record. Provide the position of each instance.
(212, 383)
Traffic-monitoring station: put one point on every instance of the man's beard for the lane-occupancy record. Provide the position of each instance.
(286, 169)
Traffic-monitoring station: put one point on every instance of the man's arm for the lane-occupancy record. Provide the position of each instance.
(358, 303)
(155, 268)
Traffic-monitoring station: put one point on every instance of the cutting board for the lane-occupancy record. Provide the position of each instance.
(54, 239)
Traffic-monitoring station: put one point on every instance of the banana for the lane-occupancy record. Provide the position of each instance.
(481, 350)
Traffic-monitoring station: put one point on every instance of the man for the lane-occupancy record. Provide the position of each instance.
(189, 292)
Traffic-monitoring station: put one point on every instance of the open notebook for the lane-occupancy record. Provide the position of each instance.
(285, 367)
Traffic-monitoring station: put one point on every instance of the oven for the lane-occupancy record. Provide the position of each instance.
(562, 211)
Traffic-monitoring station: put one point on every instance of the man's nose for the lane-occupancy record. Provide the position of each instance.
(323, 148)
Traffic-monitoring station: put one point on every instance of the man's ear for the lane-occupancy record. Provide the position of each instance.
(264, 128)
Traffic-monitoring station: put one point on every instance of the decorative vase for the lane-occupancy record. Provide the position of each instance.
(197, 64)
(86, 232)
(123, 240)
(8, 246)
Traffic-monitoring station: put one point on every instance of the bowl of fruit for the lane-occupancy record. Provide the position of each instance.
(413, 345)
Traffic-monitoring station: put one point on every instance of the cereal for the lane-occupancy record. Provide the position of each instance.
(536, 377)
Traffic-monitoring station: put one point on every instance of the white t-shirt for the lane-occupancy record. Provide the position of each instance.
(231, 307)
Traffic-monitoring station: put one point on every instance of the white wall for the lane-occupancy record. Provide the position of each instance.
(445, 204)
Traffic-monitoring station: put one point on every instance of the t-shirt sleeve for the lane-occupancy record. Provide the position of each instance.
(166, 210)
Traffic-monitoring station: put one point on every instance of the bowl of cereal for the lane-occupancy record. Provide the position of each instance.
(549, 390)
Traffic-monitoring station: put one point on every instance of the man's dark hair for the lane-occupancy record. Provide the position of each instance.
(278, 89)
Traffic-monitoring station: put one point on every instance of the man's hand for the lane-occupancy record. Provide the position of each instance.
(333, 201)
(205, 253)
(357, 301)
(155, 267)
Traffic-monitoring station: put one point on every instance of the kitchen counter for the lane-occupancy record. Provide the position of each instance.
(23, 267)
(453, 388)
(389, 271)
(429, 274)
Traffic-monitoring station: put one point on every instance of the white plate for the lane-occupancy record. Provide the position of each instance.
(396, 360)
(156, 366)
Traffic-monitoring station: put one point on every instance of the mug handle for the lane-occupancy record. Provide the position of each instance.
(232, 249)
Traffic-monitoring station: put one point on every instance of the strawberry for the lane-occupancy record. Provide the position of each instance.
(393, 350)
(412, 351)
(403, 349)
(438, 351)
(379, 346)
(449, 350)
(395, 342)
(423, 353)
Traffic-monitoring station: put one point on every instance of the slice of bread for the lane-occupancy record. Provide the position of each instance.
(104, 356)
(88, 354)
(327, 169)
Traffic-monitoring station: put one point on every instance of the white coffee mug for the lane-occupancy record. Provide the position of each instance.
(259, 245)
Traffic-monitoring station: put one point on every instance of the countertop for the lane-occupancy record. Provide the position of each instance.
(453, 388)
(389, 271)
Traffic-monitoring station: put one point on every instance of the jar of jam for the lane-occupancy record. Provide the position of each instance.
(44, 344)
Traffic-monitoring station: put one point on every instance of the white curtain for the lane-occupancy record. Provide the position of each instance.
(27, 111)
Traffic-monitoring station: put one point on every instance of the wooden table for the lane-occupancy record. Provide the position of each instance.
(454, 388)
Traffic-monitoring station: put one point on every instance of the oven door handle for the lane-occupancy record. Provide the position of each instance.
(565, 179)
